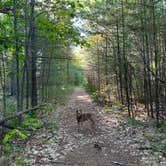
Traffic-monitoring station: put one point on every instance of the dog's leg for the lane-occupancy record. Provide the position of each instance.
(78, 119)
(81, 118)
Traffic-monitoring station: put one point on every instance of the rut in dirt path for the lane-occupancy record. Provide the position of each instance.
(70, 147)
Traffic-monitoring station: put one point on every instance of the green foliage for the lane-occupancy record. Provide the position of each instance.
(89, 86)
(115, 63)
(106, 109)
(14, 122)
(48, 142)
(52, 127)
(12, 134)
(31, 123)
(117, 104)
(77, 79)
(162, 128)
(159, 148)
(99, 96)
(152, 138)
(10, 110)
(163, 148)
(158, 143)
(96, 96)
(49, 110)
(134, 122)
(22, 162)
(50, 107)
(76, 74)
(11, 106)
(7, 148)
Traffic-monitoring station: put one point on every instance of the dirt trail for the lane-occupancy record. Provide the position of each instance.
(70, 147)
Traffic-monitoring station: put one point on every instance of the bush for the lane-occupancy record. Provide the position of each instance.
(31, 123)
(96, 96)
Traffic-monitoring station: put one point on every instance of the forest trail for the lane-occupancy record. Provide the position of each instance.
(70, 147)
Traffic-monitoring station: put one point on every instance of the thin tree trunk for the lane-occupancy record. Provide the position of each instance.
(98, 67)
(33, 56)
(3, 84)
(148, 63)
(120, 63)
(26, 54)
(125, 62)
(16, 54)
(106, 60)
(156, 64)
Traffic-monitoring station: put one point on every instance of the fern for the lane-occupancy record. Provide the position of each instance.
(31, 122)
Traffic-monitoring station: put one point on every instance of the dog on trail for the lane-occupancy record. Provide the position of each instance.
(82, 117)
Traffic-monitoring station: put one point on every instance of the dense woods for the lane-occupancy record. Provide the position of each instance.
(35, 51)
(116, 49)
(127, 57)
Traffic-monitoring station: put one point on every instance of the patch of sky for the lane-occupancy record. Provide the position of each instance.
(79, 23)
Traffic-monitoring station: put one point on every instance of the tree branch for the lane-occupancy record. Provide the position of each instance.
(2, 121)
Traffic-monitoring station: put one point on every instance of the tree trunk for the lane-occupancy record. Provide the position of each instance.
(16, 54)
(33, 55)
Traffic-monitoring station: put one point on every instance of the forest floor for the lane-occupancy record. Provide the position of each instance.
(118, 142)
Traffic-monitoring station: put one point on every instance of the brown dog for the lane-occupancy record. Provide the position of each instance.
(82, 117)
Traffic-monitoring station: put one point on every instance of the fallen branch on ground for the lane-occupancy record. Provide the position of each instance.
(2, 121)
(8, 126)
